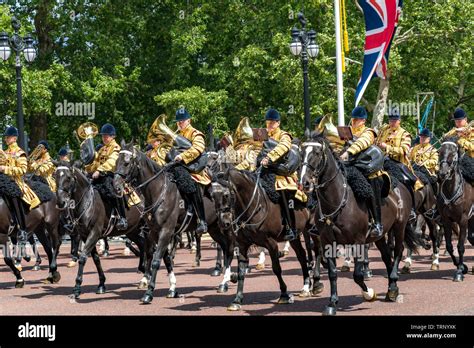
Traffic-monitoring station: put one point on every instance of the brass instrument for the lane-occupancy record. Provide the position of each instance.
(87, 131)
(160, 131)
(36, 154)
(243, 133)
(330, 132)
(159, 127)
(466, 128)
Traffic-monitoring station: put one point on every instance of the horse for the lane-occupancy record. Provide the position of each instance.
(455, 203)
(344, 220)
(42, 221)
(425, 202)
(90, 218)
(164, 205)
(257, 220)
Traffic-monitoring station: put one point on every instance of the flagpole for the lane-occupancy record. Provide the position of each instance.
(340, 90)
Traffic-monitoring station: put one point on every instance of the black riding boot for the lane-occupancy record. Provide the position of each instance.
(289, 217)
(375, 206)
(412, 217)
(122, 223)
(19, 212)
(198, 205)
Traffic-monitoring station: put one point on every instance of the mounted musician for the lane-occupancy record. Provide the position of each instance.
(464, 131)
(40, 163)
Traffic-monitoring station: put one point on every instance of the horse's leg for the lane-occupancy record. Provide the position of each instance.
(333, 300)
(89, 245)
(358, 275)
(161, 249)
(366, 269)
(272, 247)
(243, 263)
(286, 248)
(392, 293)
(35, 250)
(346, 267)
(106, 247)
(53, 276)
(448, 230)
(140, 242)
(197, 259)
(261, 259)
(408, 261)
(100, 271)
(218, 268)
(308, 243)
(462, 268)
(7, 256)
(301, 255)
(172, 293)
(32, 242)
(148, 257)
(435, 243)
(228, 251)
(318, 287)
(386, 254)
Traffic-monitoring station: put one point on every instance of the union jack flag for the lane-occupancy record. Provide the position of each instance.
(381, 18)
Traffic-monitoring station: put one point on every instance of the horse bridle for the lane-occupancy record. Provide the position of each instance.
(315, 177)
(453, 169)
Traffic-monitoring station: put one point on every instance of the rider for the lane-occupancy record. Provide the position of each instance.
(463, 131)
(283, 183)
(156, 152)
(424, 154)
(15, 166)
(43, 165)
(104, 165)
(365, 137)
(396, 142)
(63, 155)
(197, 138)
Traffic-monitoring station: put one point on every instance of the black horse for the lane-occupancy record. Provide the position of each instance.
(42, 221)
(342, 220)
(90, 218)
(455, 203)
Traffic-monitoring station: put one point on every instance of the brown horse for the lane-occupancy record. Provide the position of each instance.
(455, 203)
(42, 221)
(257, 220)
(342, 220)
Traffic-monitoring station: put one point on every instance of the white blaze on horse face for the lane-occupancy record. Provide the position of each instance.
(307, 151)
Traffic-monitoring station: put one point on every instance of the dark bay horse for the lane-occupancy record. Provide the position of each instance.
(90, 218)
(42, 221)
(342, 220)
(258, 221)
(455, 203)
(164, 206)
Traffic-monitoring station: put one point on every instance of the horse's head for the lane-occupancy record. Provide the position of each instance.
(313, 162)
(66, 183)
(223, 200)
(448, 158)
(125, 167)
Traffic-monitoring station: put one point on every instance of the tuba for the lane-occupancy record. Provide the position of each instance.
(155, 133)
(330, 132)
(87, 131)
(36, 154)
(243, 133)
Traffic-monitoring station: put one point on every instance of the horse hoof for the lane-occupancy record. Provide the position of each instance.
(285, 252)
(248, 270)
(458, 277)
(260, 266)
(465, 269)
(435, 267)
(216, 272)
(71, 264)
(20, 283)
(345, 268)
(391, 295)
(146, 299)
(222, 288)
(369, 295)
(405, 270)
(76, 294)
(317, 289)
(285, 299)
(193, 251)
(36, 268)
(172, 294)
(100, 290)
(196, 264)
(233, 278)
(329, 311)
(106, 254)
(48, 280)
(27, 258)
(304, 293)
(143, 285)
(234, 307)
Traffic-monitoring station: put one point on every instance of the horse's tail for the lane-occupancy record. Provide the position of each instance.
(412, 240)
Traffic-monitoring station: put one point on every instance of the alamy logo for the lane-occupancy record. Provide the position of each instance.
(75, 109)
(37, 331)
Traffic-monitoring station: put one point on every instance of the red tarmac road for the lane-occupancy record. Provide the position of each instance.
(423, 292)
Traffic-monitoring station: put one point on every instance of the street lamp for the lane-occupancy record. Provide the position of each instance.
(304, 43)
(18, 45)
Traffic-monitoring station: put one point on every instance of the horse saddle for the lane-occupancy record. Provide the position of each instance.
(195, 166)
(286, 165)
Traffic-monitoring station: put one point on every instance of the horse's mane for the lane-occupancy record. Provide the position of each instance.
(155, 168)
